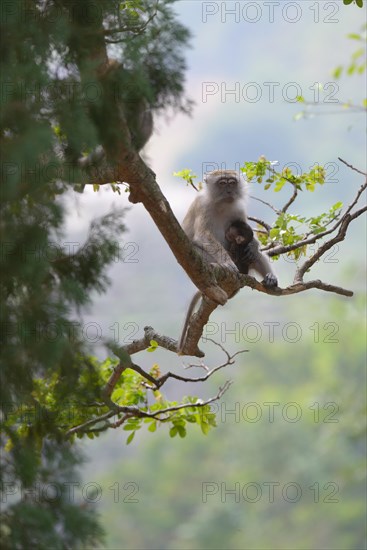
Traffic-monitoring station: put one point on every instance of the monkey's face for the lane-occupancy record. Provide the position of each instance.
(233, 236)
(239, 233)
(224, 187)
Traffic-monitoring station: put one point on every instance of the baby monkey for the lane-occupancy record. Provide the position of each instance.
(244, 250)
(239, 236)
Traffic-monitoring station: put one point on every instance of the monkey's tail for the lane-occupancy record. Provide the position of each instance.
(189, 313)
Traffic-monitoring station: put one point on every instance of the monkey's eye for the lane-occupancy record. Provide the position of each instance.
(232, 182)
(222, 182)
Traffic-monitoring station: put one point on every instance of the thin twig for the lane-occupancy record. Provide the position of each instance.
(266, 203)
(352, 167)
(293, 197)
(328, 244)
(265, 225)
(281, 249)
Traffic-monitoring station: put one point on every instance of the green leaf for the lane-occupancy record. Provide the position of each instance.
(347, 2)
(358, 53)
(279, 185)
(152, 427)
(173, 431)
(130, 438)
(337, 71)
(359, 3)
(153, 346)
(130, 427)
(182, 432)
(205, 428)
(186, 174)
(354, 36)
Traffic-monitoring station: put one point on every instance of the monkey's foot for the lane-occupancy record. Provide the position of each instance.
(216, 294)
(270, 280)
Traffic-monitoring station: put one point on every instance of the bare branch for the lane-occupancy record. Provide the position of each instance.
(91, 422)
(293, 197)
(351, 109)
(295, 288)
(267, 204)
(265, 225)
(210, 372)
(347, 218)
(193, 185)
(352, 167)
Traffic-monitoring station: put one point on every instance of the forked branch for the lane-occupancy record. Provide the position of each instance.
(103, 421)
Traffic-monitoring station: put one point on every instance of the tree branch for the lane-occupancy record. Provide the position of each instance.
(293, 197)
(282, 249)
(267, 204)
(295, 288)
(139, 413)
(347, 218)
(352, 167)
(263, 224)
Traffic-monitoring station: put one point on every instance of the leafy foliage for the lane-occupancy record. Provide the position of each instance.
(263, 168)
(45, 413)
(188, 176)
(48, 511)
(54, 111)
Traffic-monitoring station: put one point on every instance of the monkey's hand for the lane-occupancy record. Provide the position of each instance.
(270, 280)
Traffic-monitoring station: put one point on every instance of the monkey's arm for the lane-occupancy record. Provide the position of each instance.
(263, 267)
(213, 250)
(197, 225)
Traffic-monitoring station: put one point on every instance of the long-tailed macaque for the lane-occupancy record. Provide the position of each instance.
(213, 223)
